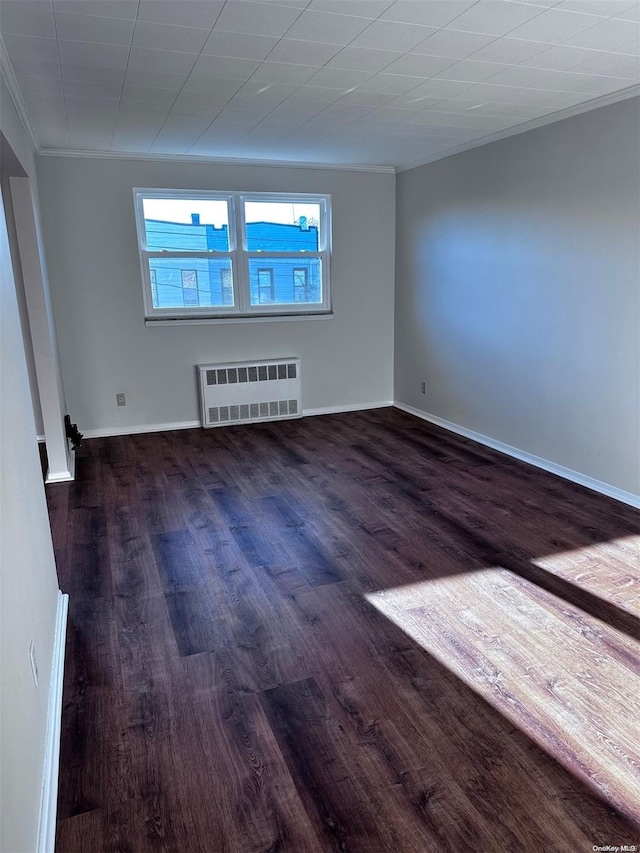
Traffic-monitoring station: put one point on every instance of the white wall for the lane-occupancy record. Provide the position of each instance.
(518, 292)
(29, 587)
(90, 239)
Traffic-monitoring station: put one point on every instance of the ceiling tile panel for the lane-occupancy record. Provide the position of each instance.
(239, 45)
(388, 35)
(630, 14)
(44, 105)
(453, 43)
(27, 17)
(632, 48)
(76, 53)
(358, 8)
(244, 16)
(186, 13)
(97, 74)
(338, 78)
(555, 26)
(595, 7)
(510, 50)
(419, 65)
(97, 90)
(35, 67)
(148, 94)
(31, 48)
(469, 70)
(612, 65)
(367, 99)
(303, 52)
(283, 72)
(607, 35)
(170, 37)
(360, 59)
(155, 79)
(496, 17)
(161, 61)
(225, 67)
(518, 75)
(328, 28)
(90, 110)
(253, 89)
(126, 9)
(41, 85)
(438, 88)
(560, 58)
(90, 28)
(434, 13)
(395, 84)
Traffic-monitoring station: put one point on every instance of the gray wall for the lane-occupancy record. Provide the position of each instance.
(94, 269)
(28, 582)
(517, 292)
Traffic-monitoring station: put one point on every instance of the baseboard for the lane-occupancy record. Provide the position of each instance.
(567, 473)
(49, 801)
(107, 432)
(353, 407)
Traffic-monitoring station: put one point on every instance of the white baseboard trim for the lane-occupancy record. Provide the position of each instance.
(107, 432)
(567, 473)
(49, 800)
(353, 407)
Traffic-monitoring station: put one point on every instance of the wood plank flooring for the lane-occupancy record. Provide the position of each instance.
(354, 633)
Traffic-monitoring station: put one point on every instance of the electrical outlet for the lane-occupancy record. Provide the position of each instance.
(34, 662)
(121, 400)
(423, 387)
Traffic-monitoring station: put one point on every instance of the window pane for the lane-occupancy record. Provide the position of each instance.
(285, 281)
(191, 282)
(196, 225)
(277, 226)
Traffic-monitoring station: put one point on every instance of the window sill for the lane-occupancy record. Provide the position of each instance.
(253, 318)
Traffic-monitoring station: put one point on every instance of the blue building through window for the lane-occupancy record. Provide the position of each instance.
(188, 282)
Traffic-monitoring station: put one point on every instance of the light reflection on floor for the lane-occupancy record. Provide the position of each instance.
(567, 679)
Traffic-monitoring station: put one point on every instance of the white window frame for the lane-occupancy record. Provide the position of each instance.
(239, 257)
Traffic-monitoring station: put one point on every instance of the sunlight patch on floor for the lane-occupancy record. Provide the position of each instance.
(610, 570)
(569, 681)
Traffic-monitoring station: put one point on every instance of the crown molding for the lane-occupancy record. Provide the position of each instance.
(8, 75)
(222, 161)
(551, 118)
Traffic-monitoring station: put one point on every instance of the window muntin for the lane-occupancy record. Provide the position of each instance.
(223, 254)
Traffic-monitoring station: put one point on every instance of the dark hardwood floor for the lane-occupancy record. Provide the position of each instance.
(354, 633)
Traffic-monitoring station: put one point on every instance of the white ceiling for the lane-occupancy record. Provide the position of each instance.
(372, 82)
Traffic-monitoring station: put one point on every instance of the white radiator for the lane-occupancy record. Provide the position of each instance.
(249, 391)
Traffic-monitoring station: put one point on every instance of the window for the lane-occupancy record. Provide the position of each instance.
(266, 293)
(190, 288)
(300, 284)
(216, 255)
